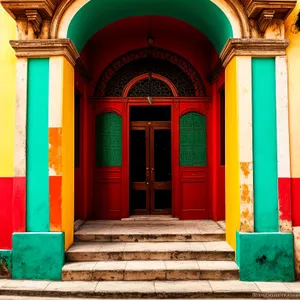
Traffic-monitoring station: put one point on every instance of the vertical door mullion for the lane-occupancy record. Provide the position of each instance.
(148, 181)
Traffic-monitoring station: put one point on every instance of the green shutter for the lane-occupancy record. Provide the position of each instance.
(108, 140)
(193, 140)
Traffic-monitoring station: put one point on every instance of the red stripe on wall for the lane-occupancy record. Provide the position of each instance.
(6, 209)
(19, 204)
(295, 183)
(55, 184)
(284, 194)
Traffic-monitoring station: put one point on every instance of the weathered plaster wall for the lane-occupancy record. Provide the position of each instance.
(38, 256)
(5, 263)
(265, 256)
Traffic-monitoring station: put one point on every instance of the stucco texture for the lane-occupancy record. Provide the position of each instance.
(265, 256)
(38, 256)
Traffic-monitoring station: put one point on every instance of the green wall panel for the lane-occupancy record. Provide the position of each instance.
(193, 140)
(5, 263)
(38, 256)
(108, 140)
(202, 14)
(265, 256)
(264, 145)
(37, 186)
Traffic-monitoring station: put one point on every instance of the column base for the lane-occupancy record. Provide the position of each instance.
(38, 255)
(265, 256)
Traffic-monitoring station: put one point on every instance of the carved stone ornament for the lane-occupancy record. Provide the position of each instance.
(17, 8)
(46, 48)
(264, 11)
(35, 12)
(253, 47)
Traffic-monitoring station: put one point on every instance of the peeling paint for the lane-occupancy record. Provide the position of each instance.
(245, 167)
(55, 153)
(285, 225)
(246, 197)
(296, 232)
(5, 264)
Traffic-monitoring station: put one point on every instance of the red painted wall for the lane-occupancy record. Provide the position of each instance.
(12, 212)
(295, 185)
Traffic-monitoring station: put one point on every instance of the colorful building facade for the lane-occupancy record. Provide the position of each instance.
(112, 108)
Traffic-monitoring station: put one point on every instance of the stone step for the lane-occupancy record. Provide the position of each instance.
(151, 289)
(150, 231)
(139, 237)
(108, 251)
(151, 270)
(160, 218)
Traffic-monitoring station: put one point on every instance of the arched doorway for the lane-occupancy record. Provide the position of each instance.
(152, 122)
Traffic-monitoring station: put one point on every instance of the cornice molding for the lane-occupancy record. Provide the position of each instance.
(17, 8)
(253, 47)
(46, 48)
(281, 7)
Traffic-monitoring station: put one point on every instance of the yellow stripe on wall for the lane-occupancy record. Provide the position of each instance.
(293, 54)
(68, 153)
(7, 94)
(232, 170)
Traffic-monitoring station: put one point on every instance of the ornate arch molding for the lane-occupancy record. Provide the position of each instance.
(233, 9)
(145, 76)
(158, 55)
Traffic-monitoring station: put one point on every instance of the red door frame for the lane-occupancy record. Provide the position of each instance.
(179, 106)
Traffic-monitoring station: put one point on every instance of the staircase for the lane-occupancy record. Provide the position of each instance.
(157, 249)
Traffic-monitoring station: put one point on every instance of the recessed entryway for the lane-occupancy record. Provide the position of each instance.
(150, 160)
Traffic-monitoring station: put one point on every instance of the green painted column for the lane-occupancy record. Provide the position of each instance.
(266, 254)
(264, 145)
(37, 202)
(37, 253)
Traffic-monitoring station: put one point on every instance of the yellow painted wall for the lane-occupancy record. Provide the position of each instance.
(293, 53)
(68, 153)
(232, 170)
(7, 94)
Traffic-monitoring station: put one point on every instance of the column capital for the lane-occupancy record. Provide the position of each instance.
(257, 47)
(46, 48)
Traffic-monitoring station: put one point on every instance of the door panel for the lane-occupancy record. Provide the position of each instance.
(193, 166)
(150, 165)
(139, 168)
(108, 171)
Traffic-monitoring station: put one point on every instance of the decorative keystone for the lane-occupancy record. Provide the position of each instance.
(253, 47)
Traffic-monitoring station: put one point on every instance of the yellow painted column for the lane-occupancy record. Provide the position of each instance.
(61, 147)
(238, 148)
(7, 128)
(293, 55)
(7, 94)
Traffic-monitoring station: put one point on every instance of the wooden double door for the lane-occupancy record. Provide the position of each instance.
(150, 167)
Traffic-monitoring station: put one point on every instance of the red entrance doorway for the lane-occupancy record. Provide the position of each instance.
(150, 160)
(120, 83)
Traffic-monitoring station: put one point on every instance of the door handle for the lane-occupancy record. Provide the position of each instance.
(147, 183)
